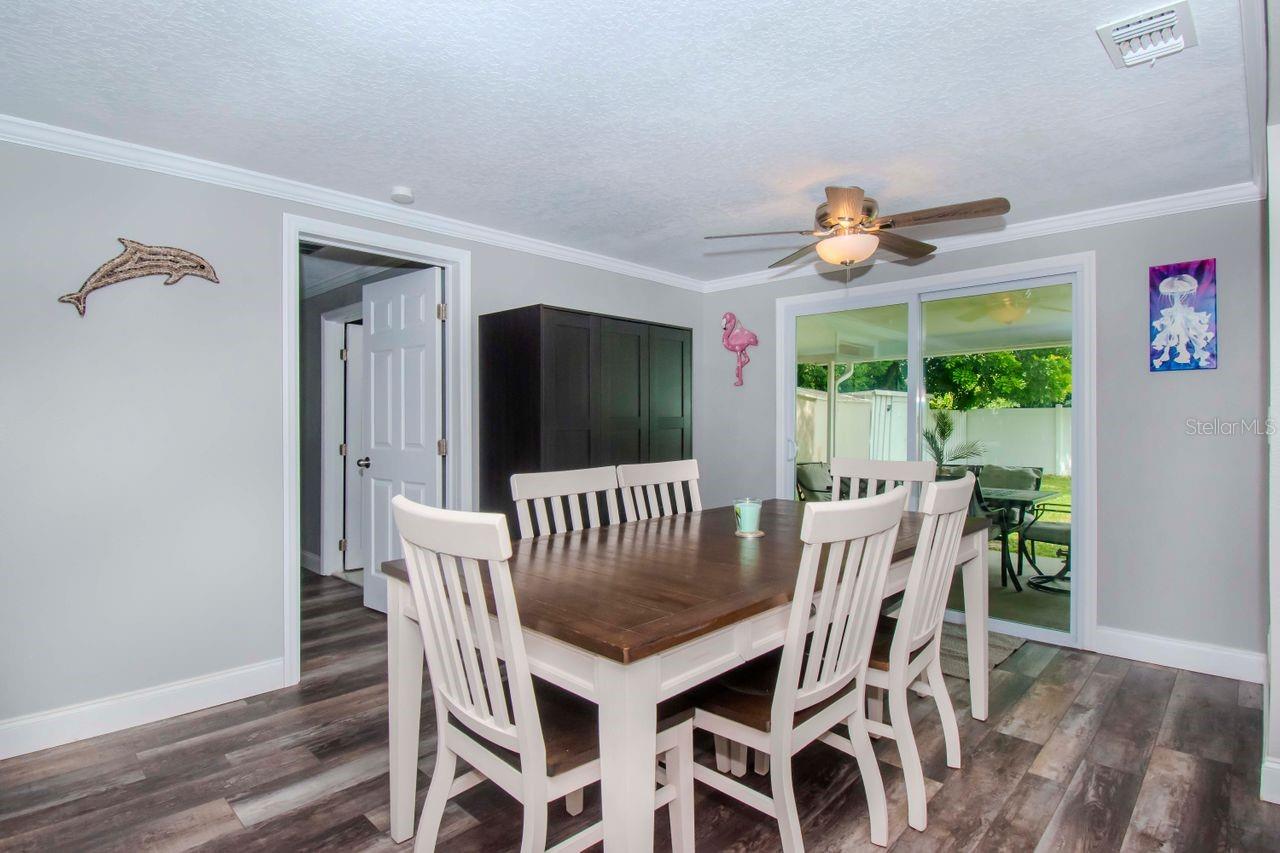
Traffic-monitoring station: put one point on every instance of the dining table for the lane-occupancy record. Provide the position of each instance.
(628, 615)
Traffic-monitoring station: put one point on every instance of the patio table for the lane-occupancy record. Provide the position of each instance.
(1013, 498)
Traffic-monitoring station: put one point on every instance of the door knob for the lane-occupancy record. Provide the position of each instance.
(362, 463)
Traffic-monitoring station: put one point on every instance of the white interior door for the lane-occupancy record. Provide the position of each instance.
(402, 412)
(356, 555)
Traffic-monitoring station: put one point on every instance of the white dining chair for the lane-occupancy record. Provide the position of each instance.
(877, 475)
(656, 489)
(907, 647)
(782, 703)
(552, 490)
(535, 741)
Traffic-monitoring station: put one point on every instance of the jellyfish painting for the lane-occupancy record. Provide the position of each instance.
(1184, 316)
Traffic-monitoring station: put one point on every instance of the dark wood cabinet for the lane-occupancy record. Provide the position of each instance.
(567, 389)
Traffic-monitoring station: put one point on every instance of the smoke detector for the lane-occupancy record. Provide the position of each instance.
(1147, 37)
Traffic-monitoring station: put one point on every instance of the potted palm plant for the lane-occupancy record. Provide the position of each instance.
(937, 439)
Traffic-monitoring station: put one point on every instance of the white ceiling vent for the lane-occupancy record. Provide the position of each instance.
(1147, 37)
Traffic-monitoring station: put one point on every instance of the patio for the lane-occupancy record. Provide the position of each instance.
(1030, 607)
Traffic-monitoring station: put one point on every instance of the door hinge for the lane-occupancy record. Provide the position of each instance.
(342, 353)
(342, 545)
(442, 447)
(342, 449)
(442, 311)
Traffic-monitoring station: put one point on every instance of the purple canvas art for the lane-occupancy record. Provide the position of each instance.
(1184, 316)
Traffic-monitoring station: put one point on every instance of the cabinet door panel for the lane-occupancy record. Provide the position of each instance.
(621, 392)
(566, 392)
(670, 394)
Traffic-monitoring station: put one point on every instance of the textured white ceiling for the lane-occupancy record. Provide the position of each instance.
(633, 129)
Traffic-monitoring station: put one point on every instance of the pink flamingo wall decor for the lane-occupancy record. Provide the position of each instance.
(736, 339)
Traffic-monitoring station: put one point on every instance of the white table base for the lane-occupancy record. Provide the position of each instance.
(628, 694)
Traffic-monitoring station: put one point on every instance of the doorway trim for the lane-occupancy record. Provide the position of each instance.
(459, 423)
(333, 415)
(1081, 267)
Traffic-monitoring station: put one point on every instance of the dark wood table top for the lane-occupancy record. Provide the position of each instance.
(628, 591)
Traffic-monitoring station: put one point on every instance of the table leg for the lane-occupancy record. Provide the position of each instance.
(628, 750)
(974, 575)
(404, 707)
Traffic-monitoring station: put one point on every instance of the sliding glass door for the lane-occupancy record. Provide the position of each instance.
(976, 379)
(851, 395)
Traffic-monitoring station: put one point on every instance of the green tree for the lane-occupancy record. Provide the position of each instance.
(1028, 378)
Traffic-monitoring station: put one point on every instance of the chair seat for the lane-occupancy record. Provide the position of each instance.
(1052, 532)
(881, 643)
(745, 695)
(570, 727)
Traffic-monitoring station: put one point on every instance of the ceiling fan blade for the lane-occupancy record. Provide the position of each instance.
(845, 202)
(946, 213)
(904, 246)
(794, 256)
(758, 234)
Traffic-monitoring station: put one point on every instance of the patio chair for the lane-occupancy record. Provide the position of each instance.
(1009, 519)
(1051, 533)
(979, 508)
(813, 481)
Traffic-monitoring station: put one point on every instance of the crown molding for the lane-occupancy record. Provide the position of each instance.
(66, 141)
(1246, 191)
(63, 140)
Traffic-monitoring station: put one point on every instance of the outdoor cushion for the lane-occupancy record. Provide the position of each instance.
(1052, 532)
(1007, 477)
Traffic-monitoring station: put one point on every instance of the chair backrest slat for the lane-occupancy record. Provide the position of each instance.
(575, 512)
(557, 512)
(877, 475)
(488, 652)
(657, 489)
(450, 556)
(945, 506)
(857, 538)
(560, 487)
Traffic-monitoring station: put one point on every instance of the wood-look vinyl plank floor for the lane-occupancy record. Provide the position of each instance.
(1080, 752)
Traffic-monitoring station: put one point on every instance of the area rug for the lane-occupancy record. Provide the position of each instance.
(955, 655)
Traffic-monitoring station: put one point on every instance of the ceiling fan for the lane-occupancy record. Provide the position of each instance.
(850, 228)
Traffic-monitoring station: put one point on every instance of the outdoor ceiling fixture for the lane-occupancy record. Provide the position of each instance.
(1009, 310)
(851, 228)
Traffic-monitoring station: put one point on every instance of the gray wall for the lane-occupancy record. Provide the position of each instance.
(1181, 519)
(142, 509)
(141, 518)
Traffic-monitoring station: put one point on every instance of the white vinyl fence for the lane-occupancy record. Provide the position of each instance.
(873, 425)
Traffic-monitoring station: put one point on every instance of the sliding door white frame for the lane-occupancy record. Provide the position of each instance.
(1079, 269)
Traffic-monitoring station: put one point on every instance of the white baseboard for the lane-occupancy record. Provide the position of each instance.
(1184, 654)
(311, 562)
(1270, 789)
(20, 735)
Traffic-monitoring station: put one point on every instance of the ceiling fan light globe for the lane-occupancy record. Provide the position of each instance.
(845, 249)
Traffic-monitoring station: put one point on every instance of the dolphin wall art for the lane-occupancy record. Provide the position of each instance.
(137, 261)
